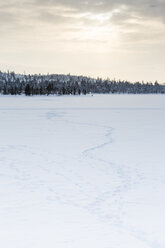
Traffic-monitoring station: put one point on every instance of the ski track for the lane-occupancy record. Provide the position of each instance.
(117, 193)
(126, 184)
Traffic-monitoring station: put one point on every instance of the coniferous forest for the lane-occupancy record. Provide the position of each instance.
(59, 84)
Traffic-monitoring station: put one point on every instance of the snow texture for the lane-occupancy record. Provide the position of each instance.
(85, 171)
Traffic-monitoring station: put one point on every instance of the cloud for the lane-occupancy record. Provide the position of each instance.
(154, 8)
(6, 17)
(64, 11)
(127, 21)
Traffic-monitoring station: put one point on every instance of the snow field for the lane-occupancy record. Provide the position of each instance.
(82, 171)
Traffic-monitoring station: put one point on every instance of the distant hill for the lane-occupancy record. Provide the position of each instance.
(59, 84)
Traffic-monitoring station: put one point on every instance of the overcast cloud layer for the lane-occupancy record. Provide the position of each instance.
(122, 39)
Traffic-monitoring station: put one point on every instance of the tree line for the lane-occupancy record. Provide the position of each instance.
(59, 84)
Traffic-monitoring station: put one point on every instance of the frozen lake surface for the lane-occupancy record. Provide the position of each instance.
(79, 172)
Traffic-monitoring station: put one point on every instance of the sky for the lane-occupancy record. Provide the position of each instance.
(121, 39)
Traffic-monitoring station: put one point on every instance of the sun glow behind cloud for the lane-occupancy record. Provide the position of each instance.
(120, 39)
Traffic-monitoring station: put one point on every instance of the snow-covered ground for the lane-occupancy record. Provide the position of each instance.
(79, 172)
